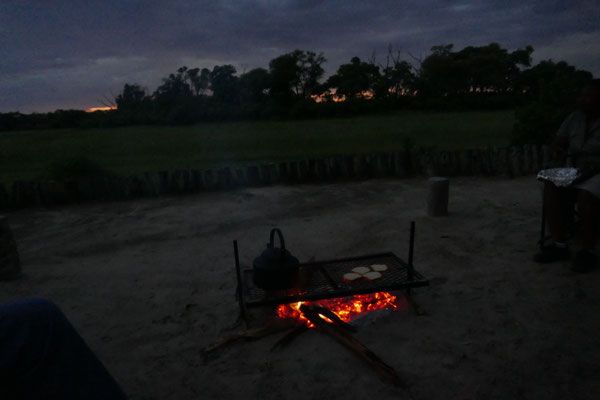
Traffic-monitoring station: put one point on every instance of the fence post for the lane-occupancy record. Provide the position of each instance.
(253, 175)
(284, 175)
(225, 180)
(516, 161)
(293, 176)
(322, 170)
(208, 179)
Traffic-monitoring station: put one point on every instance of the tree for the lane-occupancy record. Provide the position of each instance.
(565, 78)
(133, 104)
(309, 71)
(397, 77)
(199, 81)
(131, 98)
(355, 79)
(224, 83)
(174, 88)
(492, 68)
(254, 85)
(174, 100)
(295, 74)
(487, 68)
(440, 75)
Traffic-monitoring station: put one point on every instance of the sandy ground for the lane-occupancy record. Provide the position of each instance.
(150, 283)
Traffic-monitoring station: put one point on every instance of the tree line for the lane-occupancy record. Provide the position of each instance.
(293, 86)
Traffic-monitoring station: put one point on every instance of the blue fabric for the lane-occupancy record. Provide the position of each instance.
(43, 357)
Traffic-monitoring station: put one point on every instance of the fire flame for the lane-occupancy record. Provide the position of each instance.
(346, 308)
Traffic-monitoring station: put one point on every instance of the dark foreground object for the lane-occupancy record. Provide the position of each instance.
(43, 357)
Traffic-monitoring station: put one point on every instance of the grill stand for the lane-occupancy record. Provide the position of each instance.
(325, 286)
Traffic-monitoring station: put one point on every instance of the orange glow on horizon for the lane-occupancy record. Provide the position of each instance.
(331, 95)
(100, 109)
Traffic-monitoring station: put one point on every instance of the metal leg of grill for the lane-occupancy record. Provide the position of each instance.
(410, 270)
(240, 287)
(543, 230)
(411, 247)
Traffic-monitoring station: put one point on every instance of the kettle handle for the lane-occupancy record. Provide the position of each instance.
(281, 241)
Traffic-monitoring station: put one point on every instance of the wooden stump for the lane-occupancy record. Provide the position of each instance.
(10, 265)
(437, 197)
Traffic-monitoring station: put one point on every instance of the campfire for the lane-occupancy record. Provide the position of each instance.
(323, 296)
(328, 316)
(345, 309)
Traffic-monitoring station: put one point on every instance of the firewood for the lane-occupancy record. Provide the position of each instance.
(346, 339)
(273, 326)
(326, 312)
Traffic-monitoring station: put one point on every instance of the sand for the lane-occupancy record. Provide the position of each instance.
(150, 283)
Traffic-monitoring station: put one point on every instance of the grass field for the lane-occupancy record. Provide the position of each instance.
(28, 154)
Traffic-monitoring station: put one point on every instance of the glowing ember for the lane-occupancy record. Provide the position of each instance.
(347, 308)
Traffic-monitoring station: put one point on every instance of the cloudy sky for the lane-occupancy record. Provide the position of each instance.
(72, 53)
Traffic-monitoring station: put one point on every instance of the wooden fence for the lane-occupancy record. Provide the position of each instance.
(506, 161)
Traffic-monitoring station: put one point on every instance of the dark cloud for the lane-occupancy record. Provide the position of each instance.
(60, 53)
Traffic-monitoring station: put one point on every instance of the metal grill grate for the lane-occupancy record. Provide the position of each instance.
(324, 280)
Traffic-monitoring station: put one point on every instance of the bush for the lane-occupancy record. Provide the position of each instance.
(537, 123)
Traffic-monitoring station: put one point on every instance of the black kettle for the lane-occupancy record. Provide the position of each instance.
(275, 268)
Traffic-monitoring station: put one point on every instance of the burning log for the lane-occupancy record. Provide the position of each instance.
(339, 333)
(323, 311)
(331, 317)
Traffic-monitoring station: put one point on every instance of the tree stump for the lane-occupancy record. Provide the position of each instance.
(437, 197)
(10, 265)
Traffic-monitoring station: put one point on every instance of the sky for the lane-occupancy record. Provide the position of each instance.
(78, 53)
